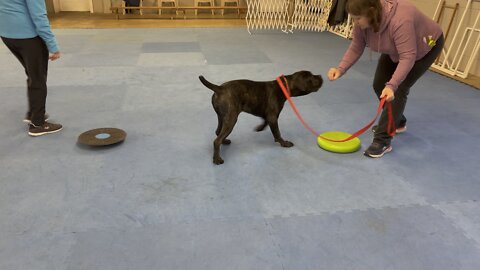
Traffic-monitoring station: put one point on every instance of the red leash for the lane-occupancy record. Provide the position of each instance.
(391, 123)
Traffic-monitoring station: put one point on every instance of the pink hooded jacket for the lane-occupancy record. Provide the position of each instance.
(404, 35)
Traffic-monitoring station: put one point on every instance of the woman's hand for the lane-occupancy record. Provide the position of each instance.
(54, 56)
(333, 74)
(388, 93)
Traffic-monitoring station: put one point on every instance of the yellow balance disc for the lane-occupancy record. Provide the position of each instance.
(338, 147)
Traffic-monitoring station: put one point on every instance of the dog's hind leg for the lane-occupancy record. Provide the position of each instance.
(273, 123)
(219, 128)
(228, 123)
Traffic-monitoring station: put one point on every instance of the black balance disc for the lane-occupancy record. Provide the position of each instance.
(102, 136)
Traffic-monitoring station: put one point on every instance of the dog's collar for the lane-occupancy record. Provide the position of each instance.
(283, 82)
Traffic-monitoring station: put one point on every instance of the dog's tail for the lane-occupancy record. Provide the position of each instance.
(208, 84)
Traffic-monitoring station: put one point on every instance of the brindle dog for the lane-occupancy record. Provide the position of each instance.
(262, 99)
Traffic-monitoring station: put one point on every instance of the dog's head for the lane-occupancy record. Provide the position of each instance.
(303, 83)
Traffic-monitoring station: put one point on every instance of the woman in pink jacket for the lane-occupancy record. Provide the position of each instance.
(409, 42)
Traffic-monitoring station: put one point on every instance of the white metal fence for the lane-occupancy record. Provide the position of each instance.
(454, 59)
(290, 15)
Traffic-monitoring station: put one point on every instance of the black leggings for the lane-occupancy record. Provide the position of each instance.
(385, 69)
(33, 55)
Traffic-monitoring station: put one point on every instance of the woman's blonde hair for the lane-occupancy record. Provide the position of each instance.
(372, 9)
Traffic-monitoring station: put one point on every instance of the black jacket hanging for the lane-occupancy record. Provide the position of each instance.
(338, 14)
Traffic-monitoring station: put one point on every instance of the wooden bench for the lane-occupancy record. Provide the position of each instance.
(118, 10)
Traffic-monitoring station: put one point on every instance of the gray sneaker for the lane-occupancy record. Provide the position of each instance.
(377, 150)
(46, 128)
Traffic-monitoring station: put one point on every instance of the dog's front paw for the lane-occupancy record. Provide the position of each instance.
(286, 144)
(260, 128)
(218, 160)
(226, 141)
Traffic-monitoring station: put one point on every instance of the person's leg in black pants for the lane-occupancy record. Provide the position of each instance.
(383, 74)
(385, 69)
(33, 55)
